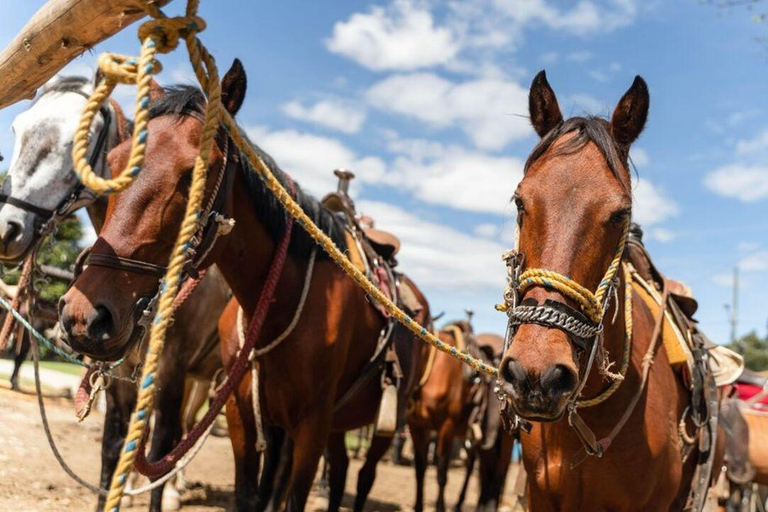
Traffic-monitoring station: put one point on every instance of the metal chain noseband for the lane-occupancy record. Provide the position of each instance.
(551, 317)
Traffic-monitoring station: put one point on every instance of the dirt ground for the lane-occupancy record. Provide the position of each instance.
(31, 479)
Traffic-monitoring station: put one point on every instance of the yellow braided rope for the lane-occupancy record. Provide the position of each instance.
(605, 395)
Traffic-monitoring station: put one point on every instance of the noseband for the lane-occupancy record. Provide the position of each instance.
(584, 326)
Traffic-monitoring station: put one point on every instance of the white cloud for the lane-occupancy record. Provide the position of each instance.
(724, 279)
(331, 113)
(579, 57)
(486, 230)
(437, 256)
(754, 262)
(488, 110)
(747, 183)
(753, 146)
(454, 176)
(639, 157)
(310, 158)
(651, 205)
(402, 36)
(583, 18)
(662, 235)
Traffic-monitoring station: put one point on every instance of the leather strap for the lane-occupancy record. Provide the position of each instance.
(126, 264)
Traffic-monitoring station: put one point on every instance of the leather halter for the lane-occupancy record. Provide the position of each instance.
(66, 205)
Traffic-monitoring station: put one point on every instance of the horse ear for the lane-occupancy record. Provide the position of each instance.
(233, 87)
(155, 91)
(629, 118)
(542, 105)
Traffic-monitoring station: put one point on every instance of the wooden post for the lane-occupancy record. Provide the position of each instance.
(60, 31)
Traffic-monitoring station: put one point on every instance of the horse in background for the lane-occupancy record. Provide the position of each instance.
(458, 403)
(40, 189)
(493, 447)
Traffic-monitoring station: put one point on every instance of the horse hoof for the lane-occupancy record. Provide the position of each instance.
(171, 503)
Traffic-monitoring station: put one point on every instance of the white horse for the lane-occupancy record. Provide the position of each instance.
(41, 185)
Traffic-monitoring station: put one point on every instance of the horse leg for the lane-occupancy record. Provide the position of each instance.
(121, 399)
(420, 439)
(444, 450)
(282, 475)
(21, 356)
(470, 462)
(310, 439)
(167, 432)
(377, 449)
(242, 434)
(339, 463)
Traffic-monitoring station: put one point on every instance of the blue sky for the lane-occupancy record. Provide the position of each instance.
(426, 102)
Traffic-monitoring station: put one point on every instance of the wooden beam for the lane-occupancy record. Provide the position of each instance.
(60, 31)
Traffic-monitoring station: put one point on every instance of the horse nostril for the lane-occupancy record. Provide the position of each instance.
(12, 231)
(558, 380)
(512, 371)
(100, 323)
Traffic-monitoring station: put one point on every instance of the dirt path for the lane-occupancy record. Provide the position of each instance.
(31, 480)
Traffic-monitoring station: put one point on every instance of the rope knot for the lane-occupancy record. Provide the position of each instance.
(166, 32)
(123, 69)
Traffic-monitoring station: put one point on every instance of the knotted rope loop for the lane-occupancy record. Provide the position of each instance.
(125, 70)
(166, 32)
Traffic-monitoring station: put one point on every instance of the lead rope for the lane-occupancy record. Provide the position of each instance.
(261, 443)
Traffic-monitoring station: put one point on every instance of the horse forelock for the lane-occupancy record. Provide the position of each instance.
(583, 130)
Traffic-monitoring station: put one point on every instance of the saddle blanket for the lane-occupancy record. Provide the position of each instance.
(725, 364)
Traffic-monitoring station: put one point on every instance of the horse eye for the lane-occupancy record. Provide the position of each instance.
(620, 216)
(519, 203)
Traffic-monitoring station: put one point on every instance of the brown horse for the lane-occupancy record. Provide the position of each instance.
(338, 330)
(441, 405)
(494, 447)
(573, 203)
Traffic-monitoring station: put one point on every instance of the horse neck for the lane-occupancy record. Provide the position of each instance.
(246, 255)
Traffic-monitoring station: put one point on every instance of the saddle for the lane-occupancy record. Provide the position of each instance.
(373, 251)
(681, 336)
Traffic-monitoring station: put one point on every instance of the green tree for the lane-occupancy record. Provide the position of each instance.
(755, 351)
(59, 250)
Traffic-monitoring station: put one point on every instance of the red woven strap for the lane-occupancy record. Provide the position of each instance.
(189, 286)
(155, 470)
(25, 279)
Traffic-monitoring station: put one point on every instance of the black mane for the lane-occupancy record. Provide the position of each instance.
(185, 100)
(591, 128)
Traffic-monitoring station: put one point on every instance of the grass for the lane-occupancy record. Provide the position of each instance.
(60, 366)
